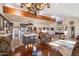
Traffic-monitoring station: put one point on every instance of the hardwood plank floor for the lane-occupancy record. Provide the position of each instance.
(44, 48)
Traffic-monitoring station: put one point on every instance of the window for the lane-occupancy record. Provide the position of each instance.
(59, 25)
(1, 23)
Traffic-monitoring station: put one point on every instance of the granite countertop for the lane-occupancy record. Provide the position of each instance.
(30, 34)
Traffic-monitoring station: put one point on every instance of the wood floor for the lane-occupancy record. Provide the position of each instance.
(21, 50)
(44, 48)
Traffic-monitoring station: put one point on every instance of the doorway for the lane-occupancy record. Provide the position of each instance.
(72, 32)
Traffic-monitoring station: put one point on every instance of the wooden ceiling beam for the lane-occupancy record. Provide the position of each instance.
(26, 14)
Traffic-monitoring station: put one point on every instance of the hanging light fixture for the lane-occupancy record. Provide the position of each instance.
(34, 8)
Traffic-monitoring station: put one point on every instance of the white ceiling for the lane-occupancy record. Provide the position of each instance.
(63, 9)
(60, 9)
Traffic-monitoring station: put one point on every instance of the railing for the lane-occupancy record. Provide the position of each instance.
(8, 24)
(5, 47)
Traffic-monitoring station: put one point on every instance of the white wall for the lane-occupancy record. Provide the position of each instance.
(76, 23)
(1, 8)
(16, 29)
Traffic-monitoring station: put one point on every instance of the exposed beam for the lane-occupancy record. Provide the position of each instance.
(26, 14)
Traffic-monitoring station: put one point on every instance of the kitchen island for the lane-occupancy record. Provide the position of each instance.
(30, 38)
